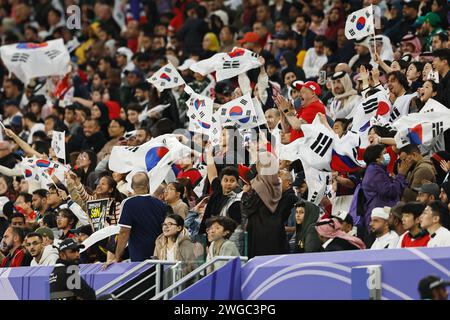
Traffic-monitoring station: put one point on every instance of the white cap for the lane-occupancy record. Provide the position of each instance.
(126, 52)
(382, 213)
(186, 64)
(222, 15)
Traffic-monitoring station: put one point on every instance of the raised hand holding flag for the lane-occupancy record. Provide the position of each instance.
(360, 23)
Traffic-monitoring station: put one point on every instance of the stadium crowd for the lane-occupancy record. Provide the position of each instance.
(221, 202)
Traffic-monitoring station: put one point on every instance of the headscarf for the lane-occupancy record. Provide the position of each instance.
(267, 184)
(214, 42)
(414, 40)
(104, 118)
(348, 88)
(332, 229)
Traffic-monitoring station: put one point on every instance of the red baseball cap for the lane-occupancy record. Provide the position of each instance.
(312, 85)
(251, 37)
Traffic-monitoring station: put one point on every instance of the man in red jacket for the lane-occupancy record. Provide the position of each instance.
(11, 245)
(414, 235)
(311, 106)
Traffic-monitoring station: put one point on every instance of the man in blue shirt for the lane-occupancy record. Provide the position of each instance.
(140, 221)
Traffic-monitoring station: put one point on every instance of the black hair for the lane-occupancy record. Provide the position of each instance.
(162, 126)
(317, 13)
(30, 116)
(373, 152)
(442, 36)
(178, 188)
(416, 208)
(55, 11)
(443, 54)
(49, 220)
(410, 148)
(320, 38)
(300, 204)
(330, 44)
(437, 87)
(135, 107)
(42, 146)
(16, 215)
(419, 65)
(228, 224)
(305, 17)
(73, 220)
(41, 136)
(178, 219)
(59, 185)
(19, 232)
(440, 209)
(229, 171)
(41, 193)
(122, 123)
(400, 77)
(26, 196)
(34, 234)
(345, 122)
(383, 132)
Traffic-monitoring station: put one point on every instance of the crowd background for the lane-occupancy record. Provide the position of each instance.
(309, 67)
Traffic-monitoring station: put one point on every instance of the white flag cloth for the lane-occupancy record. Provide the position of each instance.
(166, 78)
(143, 157)
(59, 144)
(360, 23)
(316, 148)
(291, 151)
(317, 183)
(374, 108)
(239, 112)
(100, 235)
(200, 111)
(32, 60)
(401, 106)
(228, 65)
(423, 127)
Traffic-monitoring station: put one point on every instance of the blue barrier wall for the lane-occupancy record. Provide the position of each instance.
(223, 284)
(324, 276)
(31, 283)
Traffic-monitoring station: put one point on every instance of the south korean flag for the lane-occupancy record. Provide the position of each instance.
(360, 23)
(200, 110)
(166, 78)
(317, 145)
(239, 112)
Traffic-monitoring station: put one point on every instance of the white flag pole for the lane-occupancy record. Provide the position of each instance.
(374, 40)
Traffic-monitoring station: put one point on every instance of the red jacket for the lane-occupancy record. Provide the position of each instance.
(421, 240)
(15, 259)
(307, 113)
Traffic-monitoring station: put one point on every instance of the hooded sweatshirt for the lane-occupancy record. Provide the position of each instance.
(306, 237)
(49, 257)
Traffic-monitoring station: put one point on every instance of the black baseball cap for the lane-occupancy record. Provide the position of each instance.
(430, 188)
(427, 284)
(70, 244)
(85, 229)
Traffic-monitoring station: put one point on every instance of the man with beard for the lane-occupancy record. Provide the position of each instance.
(66, 282)
(385, 238)
(43, 255)
(345, 97)
(11, 246)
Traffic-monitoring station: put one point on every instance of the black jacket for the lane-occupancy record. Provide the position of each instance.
(64, 275)
(339, 244)
(94, 143)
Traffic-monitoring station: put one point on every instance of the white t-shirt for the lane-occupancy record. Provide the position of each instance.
(171, 254)
(441, 238)
(387, 241)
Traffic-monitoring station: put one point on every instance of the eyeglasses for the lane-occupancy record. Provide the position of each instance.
(168, 224)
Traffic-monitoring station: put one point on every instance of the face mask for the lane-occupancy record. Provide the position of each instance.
(386, 159)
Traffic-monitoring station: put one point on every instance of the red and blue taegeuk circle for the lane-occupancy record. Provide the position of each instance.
(236, 111)
(360, 23)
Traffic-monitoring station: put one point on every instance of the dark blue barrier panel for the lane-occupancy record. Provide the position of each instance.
(329, 275)
(223, 284)
(31, 283)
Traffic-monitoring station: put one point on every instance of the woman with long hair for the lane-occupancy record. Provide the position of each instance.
(105, 189)
(174, 243)
(84, 165)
